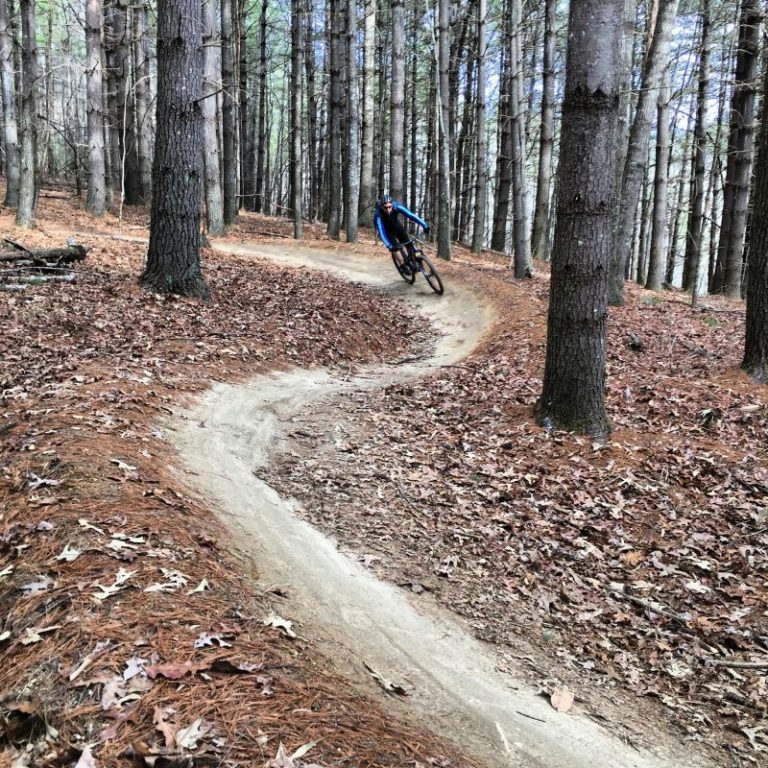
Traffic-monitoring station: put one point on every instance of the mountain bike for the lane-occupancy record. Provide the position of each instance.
(413, 264)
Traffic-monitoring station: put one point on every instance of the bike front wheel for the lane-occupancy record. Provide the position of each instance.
(409, 276)
(430, 274)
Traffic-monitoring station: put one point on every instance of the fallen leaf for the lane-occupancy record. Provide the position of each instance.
(86, 759)
(561, 699)
(280, 623)
(387, 685)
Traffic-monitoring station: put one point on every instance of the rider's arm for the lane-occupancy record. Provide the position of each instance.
(382, 232)
(400, 208)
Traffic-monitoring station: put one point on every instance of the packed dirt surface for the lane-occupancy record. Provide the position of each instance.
(227, 442)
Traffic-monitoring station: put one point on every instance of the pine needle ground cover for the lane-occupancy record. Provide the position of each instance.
(130, 635)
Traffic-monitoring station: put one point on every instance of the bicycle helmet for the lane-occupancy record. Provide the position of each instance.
(386, 199)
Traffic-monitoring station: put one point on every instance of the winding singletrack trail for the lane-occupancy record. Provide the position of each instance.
(233, 430)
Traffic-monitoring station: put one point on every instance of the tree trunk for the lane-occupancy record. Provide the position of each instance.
(443, 113)
(214, 196)
(173, 260)
(520, 241)
(297, 54)
(637, 152)
(243, 131)
(397, 103)
(352, 186)
(741, 139)
(504, 149)
(334, 117)
(755, 360)
(658, 254)
(540, 238)
(367, 177)
(96, 201)
(143, 86)
(573, 394)
(228, 130)
(261, 130)
(481, 168)
(694, 237)
(25, 213)
(10, 120)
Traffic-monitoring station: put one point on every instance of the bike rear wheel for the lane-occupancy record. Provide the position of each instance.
(408, 276)
(430, 273)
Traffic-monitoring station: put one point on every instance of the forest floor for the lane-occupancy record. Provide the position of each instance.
(631, 576)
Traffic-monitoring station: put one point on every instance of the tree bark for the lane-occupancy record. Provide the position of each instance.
(173, 259)
(727, 278)
(10, 120)
(352, 186)
(443, 112)
(755, 361)
(540, 238)
(228, 130)
(96, 201)
(367, 177)
(143, 86)
(658, 253)
(520, 241)
(632, 179)
(261, 130)
(334, 117)
(573, 394)
(695, 229)
(481, 168)
(504, 149)
(214, 196)
(25, 213)
(297, 53)
(397, 103)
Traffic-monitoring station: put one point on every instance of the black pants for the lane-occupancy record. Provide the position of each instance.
(398, 234)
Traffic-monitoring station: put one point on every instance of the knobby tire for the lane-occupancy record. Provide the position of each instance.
(430, 274)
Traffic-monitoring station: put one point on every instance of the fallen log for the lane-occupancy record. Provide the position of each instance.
(47, 256)
(40, 279)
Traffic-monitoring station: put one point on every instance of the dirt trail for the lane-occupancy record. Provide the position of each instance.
(233, 430)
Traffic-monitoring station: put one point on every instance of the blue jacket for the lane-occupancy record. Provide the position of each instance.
(378, 220)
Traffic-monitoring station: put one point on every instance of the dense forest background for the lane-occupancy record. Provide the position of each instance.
(349, 93)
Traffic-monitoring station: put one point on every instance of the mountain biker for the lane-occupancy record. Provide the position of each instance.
(391, 230)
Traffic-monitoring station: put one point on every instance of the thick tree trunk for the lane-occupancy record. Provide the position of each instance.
(245, 134)
(504, 149)
(540, 237)
(367, 177)
(10, 120)
(520, 241)
(334, 117)
(727, 278)
(261, 130)
(214, 196)
(96, 201)
(173, 260)
(25, 213)
(481, 168)
(444, 113)
(694, 237)
(573, 394)
(397, 103)
(229, 128)
(352, 186)
(755, 360)
(297, 54)
(143, 85)
(658, 253)
(637, 152)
